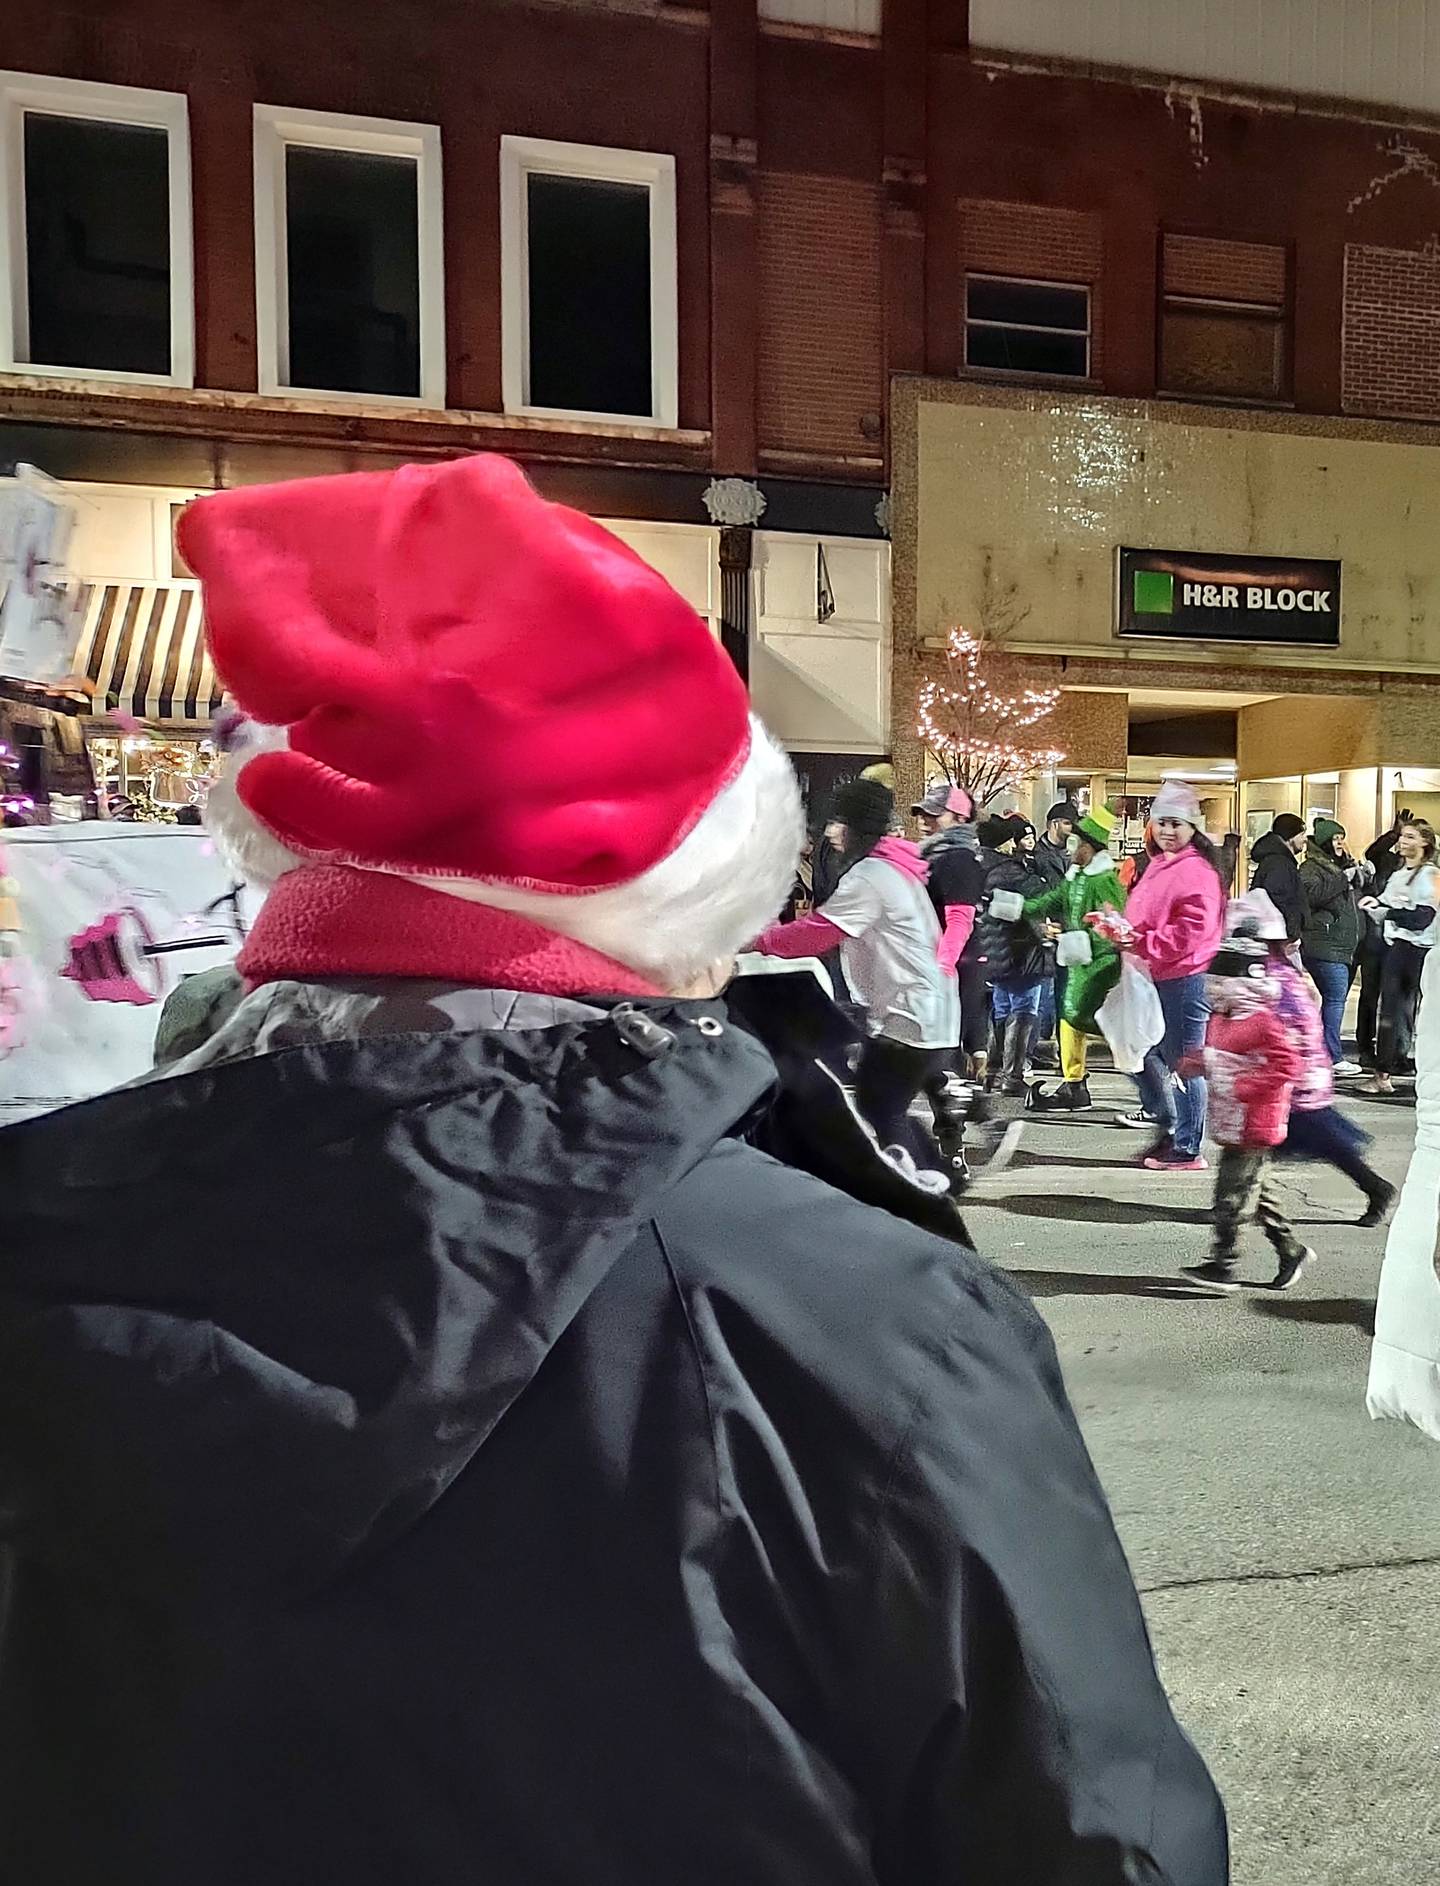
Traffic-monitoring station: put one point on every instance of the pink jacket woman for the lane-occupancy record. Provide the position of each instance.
(1178, 910)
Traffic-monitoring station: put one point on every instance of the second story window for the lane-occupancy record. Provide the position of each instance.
(1013, 325)
(588, 265)
(349, 271)
(1224, 319)
(95, 249)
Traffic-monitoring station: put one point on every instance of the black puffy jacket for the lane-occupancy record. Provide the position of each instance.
(1276, 871)
(451, 1455)
(1011, 950)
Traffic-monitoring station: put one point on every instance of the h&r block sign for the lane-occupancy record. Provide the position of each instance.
(1190, 595)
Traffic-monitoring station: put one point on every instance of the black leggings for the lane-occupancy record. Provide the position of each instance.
(974, 1008)
(890, 1075)
(1399, 994)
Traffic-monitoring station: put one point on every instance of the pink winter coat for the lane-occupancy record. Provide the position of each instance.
(1252, 1062)
(1315, 1084)
(1178, 910)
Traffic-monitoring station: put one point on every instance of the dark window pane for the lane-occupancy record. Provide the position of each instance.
(1235, 356)
(97, 244)
(1019, 351)
(353, 242)
(1027, 304)
(589, 248)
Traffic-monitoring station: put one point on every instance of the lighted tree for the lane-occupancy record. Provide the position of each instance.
(976, 729)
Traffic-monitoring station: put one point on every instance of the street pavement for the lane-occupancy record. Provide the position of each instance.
(1287, 1548)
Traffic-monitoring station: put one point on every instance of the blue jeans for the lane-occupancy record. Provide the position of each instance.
(1019, 995)
(1333, 982)
(1046, 1028)
(1179, 1111)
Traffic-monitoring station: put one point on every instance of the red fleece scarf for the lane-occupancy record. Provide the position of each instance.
(329, 920)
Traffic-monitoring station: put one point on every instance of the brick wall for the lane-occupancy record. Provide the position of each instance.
(821, 368)
(1047, 245)
(1391, 346)
(1225, 271)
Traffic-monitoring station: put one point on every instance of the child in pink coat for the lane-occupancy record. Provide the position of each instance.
(1252, 1061)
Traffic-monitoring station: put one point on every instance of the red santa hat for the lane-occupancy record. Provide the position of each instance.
(488, 696)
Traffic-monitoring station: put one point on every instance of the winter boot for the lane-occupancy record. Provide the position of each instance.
(1045, 1056)
(1068, 1097)
(1018, 1033)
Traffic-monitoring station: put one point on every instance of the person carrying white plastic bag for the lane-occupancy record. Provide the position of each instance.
(1405, 1359)
(1130, 1017)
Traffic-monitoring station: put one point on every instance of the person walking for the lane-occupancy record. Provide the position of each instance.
(1409, 909)
(501, 1482)
(1016, 956)
(881, 918)
(1330, 938)
(1090, 964)
(1177, 908)
(1250, 1063)
(1275, 857)
(1317, 1130)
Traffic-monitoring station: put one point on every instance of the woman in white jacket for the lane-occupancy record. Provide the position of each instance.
(1410, 908)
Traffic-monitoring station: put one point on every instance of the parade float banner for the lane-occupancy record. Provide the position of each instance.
(162, 882)
(1190, 595)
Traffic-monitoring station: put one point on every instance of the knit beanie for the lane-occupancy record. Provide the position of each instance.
(1063, 810)
(1288, 825)
(866, 806)
(1176, 799)
(997, 832)
(1327, 831)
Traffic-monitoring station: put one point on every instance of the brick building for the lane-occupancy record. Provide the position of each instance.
(822, 248)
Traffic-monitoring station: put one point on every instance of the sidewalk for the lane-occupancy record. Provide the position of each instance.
(1288, 1549)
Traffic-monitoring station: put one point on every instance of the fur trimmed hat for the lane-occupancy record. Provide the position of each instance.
(491, 697)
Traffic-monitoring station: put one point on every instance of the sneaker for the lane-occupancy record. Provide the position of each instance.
(1140, 1120)
(1347, 1070)
(1174, 1161)
(1218, 1279)
(1378, 1084)
(1382, 1201)
(1291, 1269)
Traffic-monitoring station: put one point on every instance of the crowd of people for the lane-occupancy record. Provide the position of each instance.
(986, 955)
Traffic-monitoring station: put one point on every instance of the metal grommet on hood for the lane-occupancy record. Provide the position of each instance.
(640, 1031)
(708, 1025)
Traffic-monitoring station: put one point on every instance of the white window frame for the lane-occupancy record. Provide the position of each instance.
(521, 157)
(276, 128)
(109, 104)
(1030, 327)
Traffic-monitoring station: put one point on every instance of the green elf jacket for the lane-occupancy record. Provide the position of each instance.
(1069, 902)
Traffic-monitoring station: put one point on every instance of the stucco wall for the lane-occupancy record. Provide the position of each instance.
(1022, 499)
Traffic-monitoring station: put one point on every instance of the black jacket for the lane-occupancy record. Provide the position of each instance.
(1332, 921)
(1051, 862)
(1011, 950)
(454, 1456)
(1276, 871)
(956, 877)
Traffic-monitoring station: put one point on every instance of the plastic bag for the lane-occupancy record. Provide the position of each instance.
(1074, 950)
(1130, 1017)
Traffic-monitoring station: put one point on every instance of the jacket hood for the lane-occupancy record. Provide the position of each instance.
(904, 854)
(1268, 845)
(254, 1318)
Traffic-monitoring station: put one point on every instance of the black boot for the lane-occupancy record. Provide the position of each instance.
(995, 1057)
(1381, 1197)
(1018, 1033)
(1068, 1097)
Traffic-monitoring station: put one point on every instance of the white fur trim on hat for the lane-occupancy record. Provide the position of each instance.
(724, 882)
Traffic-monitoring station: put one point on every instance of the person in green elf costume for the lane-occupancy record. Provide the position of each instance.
(1091, 965)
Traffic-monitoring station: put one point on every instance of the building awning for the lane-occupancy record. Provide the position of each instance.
(143, 651)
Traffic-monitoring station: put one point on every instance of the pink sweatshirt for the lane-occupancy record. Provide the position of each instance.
(1178, 910)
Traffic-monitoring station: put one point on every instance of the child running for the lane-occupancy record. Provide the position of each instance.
(1252, 1062)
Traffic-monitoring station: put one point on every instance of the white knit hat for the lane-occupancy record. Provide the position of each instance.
(1177, 799)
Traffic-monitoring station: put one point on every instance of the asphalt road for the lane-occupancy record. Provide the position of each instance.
(1287, 1548)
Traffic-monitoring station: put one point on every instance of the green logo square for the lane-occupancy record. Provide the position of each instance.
(1154, 593)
